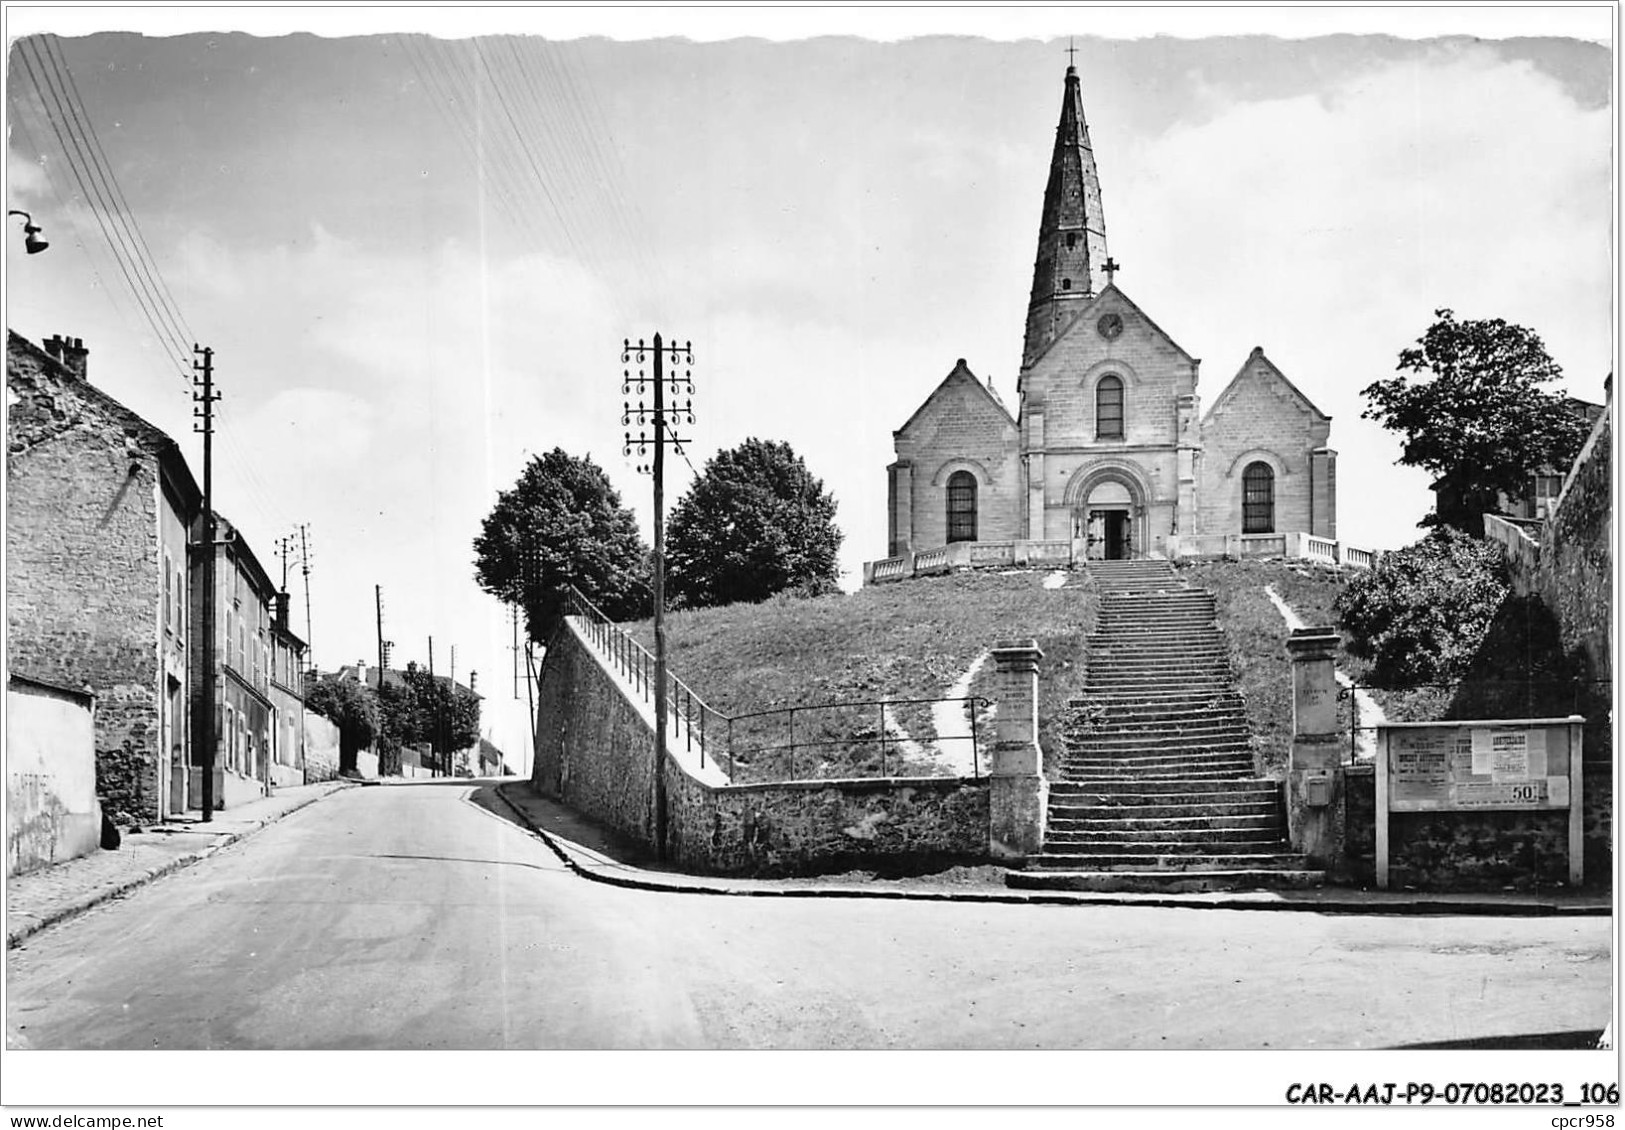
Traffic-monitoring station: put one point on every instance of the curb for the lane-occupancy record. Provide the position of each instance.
(639, 880)
(96, 898)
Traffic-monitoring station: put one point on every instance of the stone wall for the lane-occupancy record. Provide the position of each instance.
(1575, 575)
(594, 752)
(51, 809)
(322, 749)
(1477, 850)
(84, 577)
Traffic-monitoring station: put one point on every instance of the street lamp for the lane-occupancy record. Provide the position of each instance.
(32, 243)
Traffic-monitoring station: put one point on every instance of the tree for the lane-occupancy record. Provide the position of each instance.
(561, 524)
(351, 707)
(1422, 614)
(1479, 419)
(755, 523)
(416, 710)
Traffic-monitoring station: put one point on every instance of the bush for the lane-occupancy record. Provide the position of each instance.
(1421, 615)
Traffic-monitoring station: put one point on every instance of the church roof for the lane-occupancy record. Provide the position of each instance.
(1267, 368)
(1071, 258)
(960, 376)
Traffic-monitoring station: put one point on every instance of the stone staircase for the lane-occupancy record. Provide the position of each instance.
(1158, 789)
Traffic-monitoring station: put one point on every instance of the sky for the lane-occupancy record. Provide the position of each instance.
(416, 260)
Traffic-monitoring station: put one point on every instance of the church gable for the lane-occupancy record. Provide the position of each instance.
(962, 430)
(959, 402)
(1109, 337)
(1259, 382)
(1262, 419)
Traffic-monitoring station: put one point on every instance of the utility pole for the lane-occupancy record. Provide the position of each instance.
(664, 421)
(304, 565)
(284, 547)
(203, 730)
(434, 698)
(515, 611)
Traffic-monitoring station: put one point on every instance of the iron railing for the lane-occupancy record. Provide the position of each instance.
(1467, 699)
(692, 721)
(783, 743)
(801, 742)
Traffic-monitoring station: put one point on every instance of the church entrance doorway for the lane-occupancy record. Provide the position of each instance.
(1116, 534)
(1108, 522)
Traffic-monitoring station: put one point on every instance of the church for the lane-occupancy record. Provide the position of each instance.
(1108, 451)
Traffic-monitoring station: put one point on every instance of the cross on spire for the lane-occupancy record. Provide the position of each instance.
(1111, 268)
(1071, 53)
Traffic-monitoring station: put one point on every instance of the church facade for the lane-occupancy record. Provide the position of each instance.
(1107, 449)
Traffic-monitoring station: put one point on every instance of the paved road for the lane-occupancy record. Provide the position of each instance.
(410, 917)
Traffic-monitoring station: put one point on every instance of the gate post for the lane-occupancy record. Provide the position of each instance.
(1314, 780)
(1017, 790)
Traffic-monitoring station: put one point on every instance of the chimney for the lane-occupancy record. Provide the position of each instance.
(71, 353)
(282, 610)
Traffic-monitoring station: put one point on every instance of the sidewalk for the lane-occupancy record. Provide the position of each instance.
(602, 855)
(41, 898)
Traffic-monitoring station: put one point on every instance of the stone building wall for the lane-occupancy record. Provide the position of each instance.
(84, 584)
(1260, 417)
(959, 428)
(594, 753)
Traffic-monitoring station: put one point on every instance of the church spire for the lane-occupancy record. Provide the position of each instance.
(1071, 261)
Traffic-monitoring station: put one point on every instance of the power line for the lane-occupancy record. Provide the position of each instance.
(143, 298)
(126, 210)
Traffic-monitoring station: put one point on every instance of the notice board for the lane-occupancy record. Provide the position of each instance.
(1468, 766)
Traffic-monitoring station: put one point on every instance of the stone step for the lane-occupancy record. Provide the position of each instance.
(1215, 840)
(1182, 703)
(1150, 678)
(1167, 860)
(1217, 725)
(1167, 737)
(1248, 789)
(1099, 775)
(1166, 882)
(1082, 765)
(1161, 805)
(1256, 821)
(1173, 750)
(1165, 698)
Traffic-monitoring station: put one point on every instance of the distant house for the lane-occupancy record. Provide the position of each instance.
(288, 765)
(422, 756)
(100, 510)
(1534, 503)
(252, 701)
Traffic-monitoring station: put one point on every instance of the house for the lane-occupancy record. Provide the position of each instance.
(1107, 451)
(289, 765)
(248, 731)
(100, 510)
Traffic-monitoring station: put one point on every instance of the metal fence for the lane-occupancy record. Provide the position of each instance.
(867, 737)
(849, 738)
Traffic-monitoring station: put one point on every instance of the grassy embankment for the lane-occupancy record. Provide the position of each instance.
(911, 640)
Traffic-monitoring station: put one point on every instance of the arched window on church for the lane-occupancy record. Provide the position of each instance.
(1109, 408)
(961, 506)
(1258, 499)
